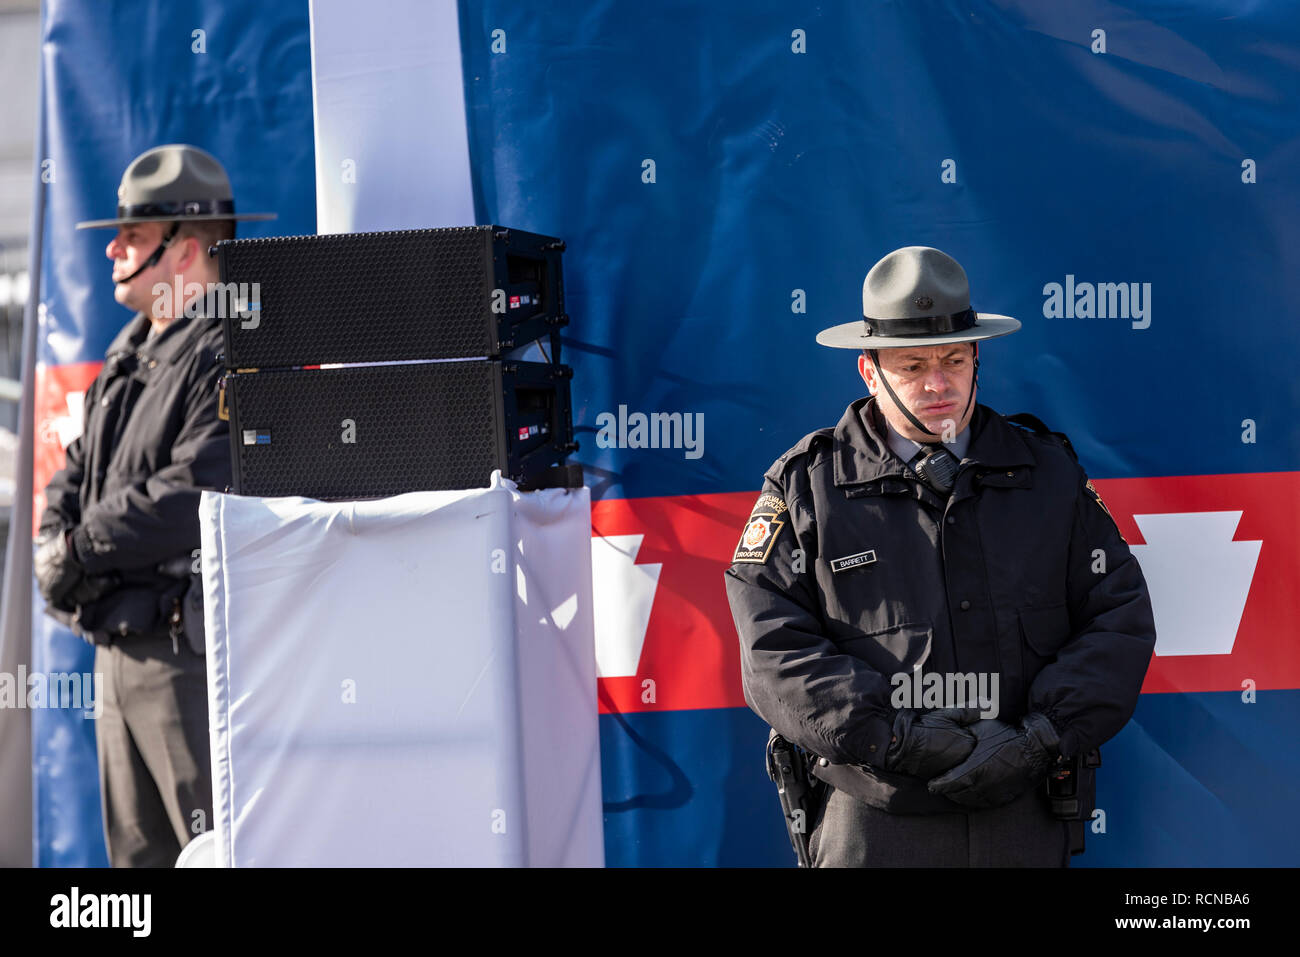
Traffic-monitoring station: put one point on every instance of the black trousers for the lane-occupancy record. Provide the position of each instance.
(155, 780)
(849, 833)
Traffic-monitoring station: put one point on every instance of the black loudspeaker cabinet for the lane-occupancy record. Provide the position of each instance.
(378, 430)
(472, 291)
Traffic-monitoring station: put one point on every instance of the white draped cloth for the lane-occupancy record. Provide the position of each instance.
(408, 681)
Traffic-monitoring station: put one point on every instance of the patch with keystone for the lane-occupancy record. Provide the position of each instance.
(765, 523)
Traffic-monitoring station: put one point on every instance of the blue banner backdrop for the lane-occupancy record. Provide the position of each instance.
(1121, 177)
(724, 175)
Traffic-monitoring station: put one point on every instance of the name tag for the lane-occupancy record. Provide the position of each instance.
(853, 561)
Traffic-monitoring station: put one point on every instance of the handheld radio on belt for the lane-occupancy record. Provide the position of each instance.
(1072, 794)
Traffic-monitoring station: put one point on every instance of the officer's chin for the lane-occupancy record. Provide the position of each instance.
(126, 295)
(941, 425)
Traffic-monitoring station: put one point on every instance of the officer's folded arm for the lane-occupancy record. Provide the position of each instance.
(63, 493)
(829, 703)
(60, 577)
(1090, 690)
(157, 519)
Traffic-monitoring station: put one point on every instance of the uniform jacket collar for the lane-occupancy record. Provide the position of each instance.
(170, 345)
(862, 454)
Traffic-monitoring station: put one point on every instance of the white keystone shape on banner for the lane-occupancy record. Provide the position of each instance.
(623, 593)
(1198, 578)
(69, 427)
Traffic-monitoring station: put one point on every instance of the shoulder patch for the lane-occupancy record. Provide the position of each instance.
(769, 515)
(1096, 497)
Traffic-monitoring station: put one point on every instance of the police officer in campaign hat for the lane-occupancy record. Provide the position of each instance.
(116, 555)
(935, 608)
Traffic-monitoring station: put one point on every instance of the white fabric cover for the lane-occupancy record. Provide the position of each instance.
(388, 93)
(408, 682)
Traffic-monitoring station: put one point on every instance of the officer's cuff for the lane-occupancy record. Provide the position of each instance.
(1067, 745)
(1043, 737)
(869, 742)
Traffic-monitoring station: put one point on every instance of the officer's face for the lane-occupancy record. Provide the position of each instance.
(934, 383)
(133, 244)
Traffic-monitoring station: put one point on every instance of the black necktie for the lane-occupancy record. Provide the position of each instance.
(936, 466)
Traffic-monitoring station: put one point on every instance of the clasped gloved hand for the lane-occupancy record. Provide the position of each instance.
(926, 743)
(60, 577)
(1005, 763)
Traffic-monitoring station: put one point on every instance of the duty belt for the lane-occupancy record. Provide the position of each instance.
(895, 793)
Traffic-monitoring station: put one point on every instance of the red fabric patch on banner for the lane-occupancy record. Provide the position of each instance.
(691, 652)
(55, 427)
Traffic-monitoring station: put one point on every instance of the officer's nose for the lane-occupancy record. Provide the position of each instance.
(114, 249)
(936, 380)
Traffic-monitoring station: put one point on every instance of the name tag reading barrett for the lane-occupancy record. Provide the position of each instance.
(853, 561)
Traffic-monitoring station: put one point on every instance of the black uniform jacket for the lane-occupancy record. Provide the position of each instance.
(852, 570)
(130, 488)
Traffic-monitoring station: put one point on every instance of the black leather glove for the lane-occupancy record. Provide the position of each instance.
(57, 571)
(927, 743)
(1006, 762)
(60, 577)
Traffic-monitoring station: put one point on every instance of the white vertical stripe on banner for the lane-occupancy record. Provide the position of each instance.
(392, 150)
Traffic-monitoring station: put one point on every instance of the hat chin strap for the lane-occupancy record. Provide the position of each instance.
(157, 253)
(902, 408)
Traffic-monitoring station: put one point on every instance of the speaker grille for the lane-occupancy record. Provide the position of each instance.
(362, 297)
(433, 426)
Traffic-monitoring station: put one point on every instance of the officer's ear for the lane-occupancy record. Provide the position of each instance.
(867, 371)
(190, 251)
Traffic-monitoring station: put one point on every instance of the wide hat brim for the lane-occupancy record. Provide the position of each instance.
(853, 335)
(127, 220)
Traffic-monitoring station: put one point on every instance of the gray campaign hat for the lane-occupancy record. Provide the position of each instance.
(916, 296)
(173, 182)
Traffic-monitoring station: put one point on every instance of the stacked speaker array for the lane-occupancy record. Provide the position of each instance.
(362, 365)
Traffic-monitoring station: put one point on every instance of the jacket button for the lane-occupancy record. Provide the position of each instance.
(824, 762)
(1011, 475)
(104, 402)
(952, 520)
(965, 605)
